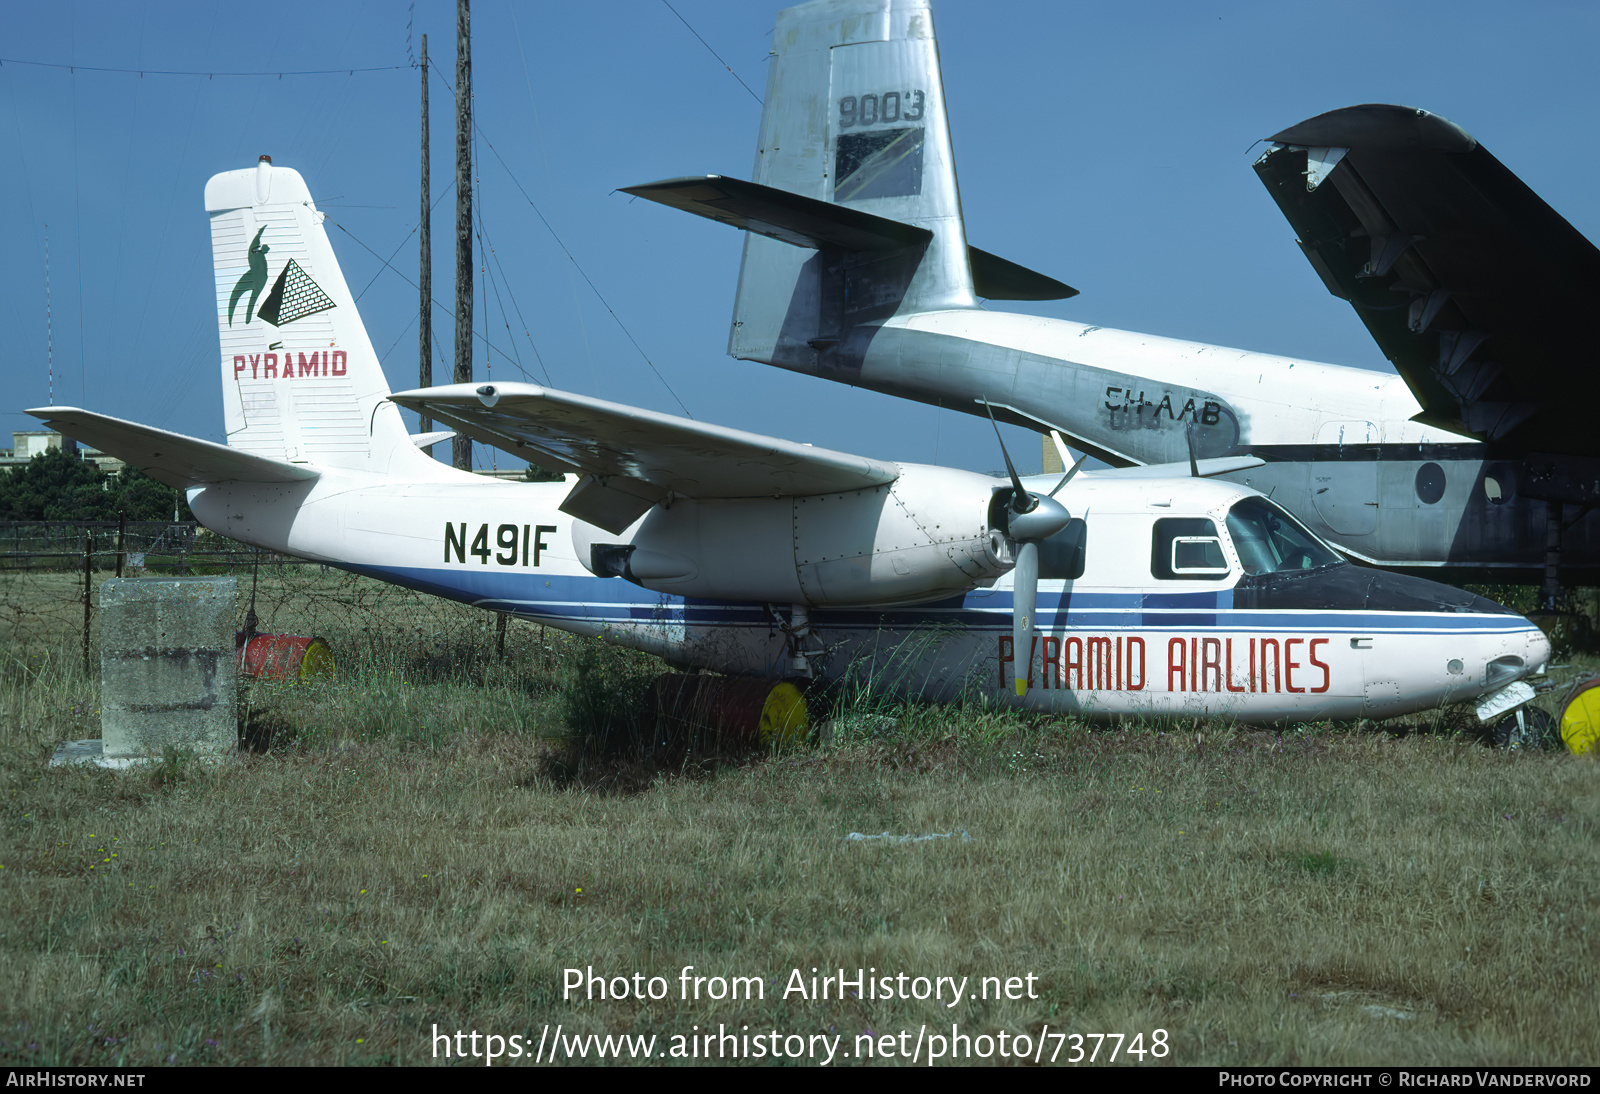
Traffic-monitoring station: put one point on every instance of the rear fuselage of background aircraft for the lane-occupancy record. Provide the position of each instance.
(1342, 451)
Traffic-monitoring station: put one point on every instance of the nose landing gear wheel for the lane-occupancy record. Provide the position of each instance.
(1527, 727)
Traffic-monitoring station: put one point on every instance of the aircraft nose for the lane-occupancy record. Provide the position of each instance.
(1511, 657)
(1538, 653)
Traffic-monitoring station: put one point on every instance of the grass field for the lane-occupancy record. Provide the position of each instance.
(421, 847)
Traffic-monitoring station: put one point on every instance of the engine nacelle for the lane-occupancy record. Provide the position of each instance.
(926, 536)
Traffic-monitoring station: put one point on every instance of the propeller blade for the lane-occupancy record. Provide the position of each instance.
(1024, 595)
(1071, 471)
(1019, 497)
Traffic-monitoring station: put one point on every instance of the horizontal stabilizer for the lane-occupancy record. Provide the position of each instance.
(809, 222)
(768, 211)
(634, 458)
(996, 278)
(171, 458)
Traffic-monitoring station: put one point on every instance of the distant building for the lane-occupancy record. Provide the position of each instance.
(26, 444)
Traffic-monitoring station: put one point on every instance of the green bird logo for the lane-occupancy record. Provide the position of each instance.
(253, 280)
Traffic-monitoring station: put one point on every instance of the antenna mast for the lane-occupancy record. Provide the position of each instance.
(425, 280)
(49, 339)
(462, 447)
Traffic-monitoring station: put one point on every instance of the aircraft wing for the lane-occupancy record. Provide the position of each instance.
(1470, 283)
(1202, 469)
(633, 458)
(168, 457)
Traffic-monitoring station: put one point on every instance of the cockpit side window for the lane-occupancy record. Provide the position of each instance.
(1187, 549)
(1271, 541)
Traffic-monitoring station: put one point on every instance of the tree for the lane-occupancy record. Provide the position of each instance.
(139, 497)
(57, 485)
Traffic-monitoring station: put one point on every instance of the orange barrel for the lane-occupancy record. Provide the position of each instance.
(284, 656)
(735, 708)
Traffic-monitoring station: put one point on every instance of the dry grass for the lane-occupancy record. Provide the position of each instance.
(407, 854)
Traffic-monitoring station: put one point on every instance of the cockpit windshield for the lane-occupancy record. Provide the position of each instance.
(1270, 541)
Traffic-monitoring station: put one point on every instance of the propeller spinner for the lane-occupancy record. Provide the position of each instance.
(1030, 519)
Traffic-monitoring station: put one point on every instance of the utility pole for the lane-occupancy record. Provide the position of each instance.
(425, 280)
(463, 446)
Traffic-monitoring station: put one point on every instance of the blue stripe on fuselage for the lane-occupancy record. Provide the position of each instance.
(599, 601)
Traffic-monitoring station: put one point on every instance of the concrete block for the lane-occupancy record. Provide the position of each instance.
(168, 669)
(92, 752)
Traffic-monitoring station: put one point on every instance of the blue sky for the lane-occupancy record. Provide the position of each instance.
(1107, 145)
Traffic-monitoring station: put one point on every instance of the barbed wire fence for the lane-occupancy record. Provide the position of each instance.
(51, 573)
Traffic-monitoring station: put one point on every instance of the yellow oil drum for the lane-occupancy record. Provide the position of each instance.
(735, 709)
(1580, 718)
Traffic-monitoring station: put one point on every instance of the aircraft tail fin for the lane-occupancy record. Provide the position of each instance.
(854, 215)
(855, 116)
(300, 380)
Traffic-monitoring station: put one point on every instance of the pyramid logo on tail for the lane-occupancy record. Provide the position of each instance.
(294, 296)
(253, 280)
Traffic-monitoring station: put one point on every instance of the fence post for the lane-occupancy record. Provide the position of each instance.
(88, 597)
(122, 533)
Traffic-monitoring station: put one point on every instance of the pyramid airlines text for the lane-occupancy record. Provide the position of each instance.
(1102, 663)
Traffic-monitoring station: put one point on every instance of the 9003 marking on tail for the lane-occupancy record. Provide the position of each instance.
(887, 108)
(513, 544)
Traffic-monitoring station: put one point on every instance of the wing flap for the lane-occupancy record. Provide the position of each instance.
(171, 458)
(640, 453)
(1468, 281)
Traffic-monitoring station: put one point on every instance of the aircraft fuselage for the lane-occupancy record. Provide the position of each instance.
(1343, 453)
(1337, 642)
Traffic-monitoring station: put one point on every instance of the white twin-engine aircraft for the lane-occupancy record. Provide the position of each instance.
(1147, 590)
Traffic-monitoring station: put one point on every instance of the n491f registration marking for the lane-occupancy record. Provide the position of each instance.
(512, 545)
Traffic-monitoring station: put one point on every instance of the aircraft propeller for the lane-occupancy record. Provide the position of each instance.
(1030, 519)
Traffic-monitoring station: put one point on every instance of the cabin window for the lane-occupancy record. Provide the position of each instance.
(1188, 549)
(1270, 541)
(1061, 556)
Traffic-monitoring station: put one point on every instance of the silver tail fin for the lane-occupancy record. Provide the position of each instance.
(854, 215)
(855, 116)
